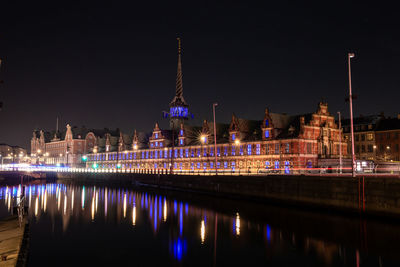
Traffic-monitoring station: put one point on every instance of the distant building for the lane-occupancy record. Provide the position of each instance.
(12, 154)
(364, 136)
(388, 139)
(67, 147)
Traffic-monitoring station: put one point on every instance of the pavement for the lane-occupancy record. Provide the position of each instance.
(11, 236)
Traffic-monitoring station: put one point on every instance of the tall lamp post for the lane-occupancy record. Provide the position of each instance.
(340, 143)
(353, 156)
(215, 139)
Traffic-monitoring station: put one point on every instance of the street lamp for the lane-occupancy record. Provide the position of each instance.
(215, 139)
(353, 156)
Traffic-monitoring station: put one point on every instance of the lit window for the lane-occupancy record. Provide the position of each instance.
(225, 151)
(156, 144)
(248, 149)
(225, 164)
(181, 141)
(266, 123)
(151, 144)
(175, 153)
(198, 165)
(258, 149)
(181, 132)
(276, 164)
(233, 150)
(267, 164)
(181, 153)
(287, 167)
(287, 148)
(218, 151)
(233, 137)
(211, 165)
(156, 135)
(266, 133)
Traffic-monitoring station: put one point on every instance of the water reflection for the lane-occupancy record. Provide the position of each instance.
(187, 227)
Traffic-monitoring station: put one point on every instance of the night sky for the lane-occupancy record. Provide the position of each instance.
(113, 64)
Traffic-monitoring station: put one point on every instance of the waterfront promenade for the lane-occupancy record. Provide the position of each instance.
(11, 238)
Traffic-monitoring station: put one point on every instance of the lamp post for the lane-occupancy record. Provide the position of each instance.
(203, 139)
(340, 143)
(215, 139)
(237, 144)
(353, 156)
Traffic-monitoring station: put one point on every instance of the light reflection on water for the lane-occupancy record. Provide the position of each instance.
(186, 227)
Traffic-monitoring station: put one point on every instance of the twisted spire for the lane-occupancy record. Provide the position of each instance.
(178, 99)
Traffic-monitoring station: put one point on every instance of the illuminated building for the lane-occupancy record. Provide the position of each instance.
(68, 147)
(12, 154)
(275, 143)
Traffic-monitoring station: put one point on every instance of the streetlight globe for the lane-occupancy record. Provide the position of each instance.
(203, 138)
(237, 142)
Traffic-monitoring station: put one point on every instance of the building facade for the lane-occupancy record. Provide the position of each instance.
(12, 154)
(376, 138)
(388, 139)
(67, 148)
(278, 143)
(365, 146)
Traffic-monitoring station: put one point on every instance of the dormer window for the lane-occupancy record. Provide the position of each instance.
(156, 135)
(233, 137)
(266, 133)
(181, 142)
(266, 123)
(181, 132)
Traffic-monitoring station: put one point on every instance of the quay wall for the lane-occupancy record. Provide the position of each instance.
(369, 195)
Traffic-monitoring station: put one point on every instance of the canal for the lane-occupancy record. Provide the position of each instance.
(97, 225)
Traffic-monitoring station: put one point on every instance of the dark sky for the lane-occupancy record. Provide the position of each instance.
(113, 64)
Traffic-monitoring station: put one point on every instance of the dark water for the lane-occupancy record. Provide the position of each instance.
(74, 225)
